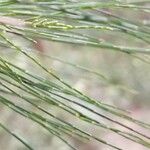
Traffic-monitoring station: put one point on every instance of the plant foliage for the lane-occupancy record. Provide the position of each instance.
(73, 22)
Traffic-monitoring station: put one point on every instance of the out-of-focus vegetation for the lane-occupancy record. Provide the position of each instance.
(74, 74)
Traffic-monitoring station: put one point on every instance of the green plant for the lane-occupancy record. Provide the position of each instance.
(66, 21)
